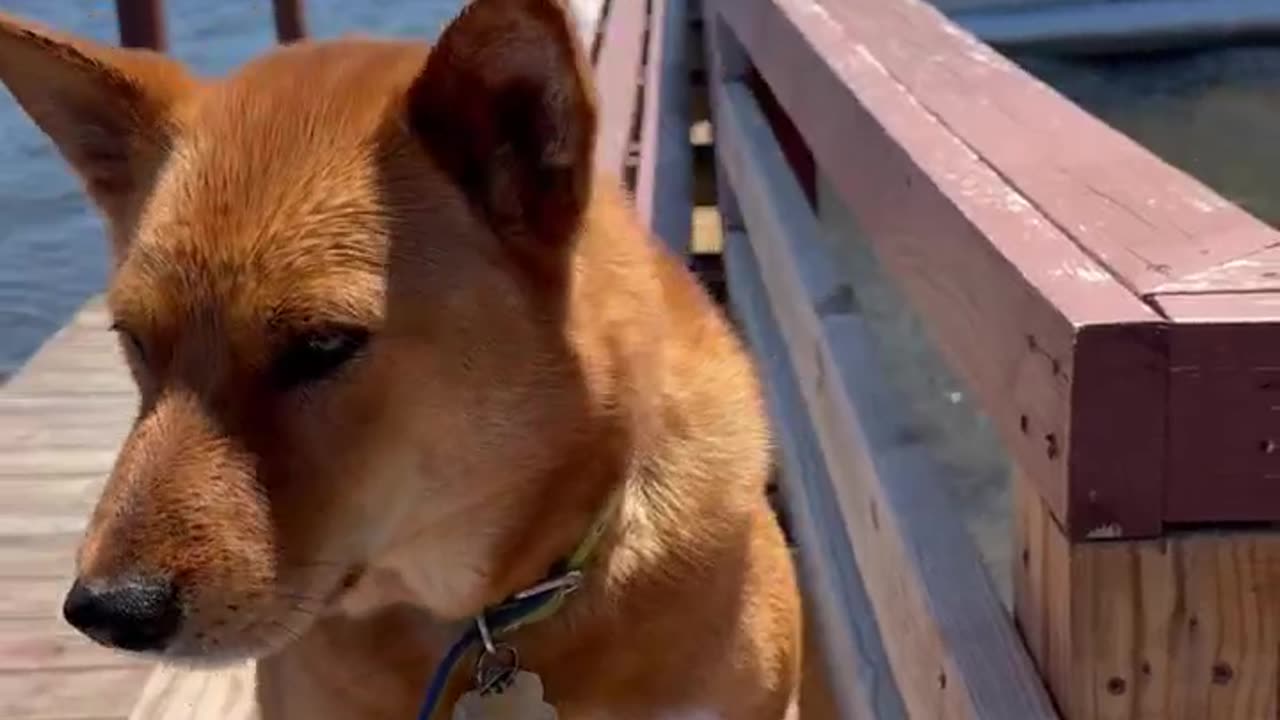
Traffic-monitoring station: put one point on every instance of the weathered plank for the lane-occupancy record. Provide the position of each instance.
(94, 693)
(38, 462)
(37, 556)
(1224, 409)
(1182, 628)
(34, 599)
(172, 694)
(1064, 358)
(952, 647)
(837, 608)
(664, 179)
(47, 643)
(62, 417)
(618, 66)
(1146, 221)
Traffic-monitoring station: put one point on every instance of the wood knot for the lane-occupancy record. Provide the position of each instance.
(1117, 686)
(1051, 446)
(1222, 673)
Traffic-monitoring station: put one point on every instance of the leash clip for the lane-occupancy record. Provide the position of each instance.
(567, 583)
(497, 664)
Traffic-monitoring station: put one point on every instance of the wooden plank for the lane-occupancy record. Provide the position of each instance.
(952, 646)
(1182, 628)
(64, 461)
(838, 610)
(1251, 274)
(1067, 362)
(172, 694)
(1224, 409)
(74, 494)
(91, 379)
(88, 436)
(34, 599)
(82, 694)
(618, 72)
(49, 644)
(48, 555)
(62, 417)
(664, 179)
(1146, 221)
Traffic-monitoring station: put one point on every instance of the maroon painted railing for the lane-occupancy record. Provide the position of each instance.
(142, 22)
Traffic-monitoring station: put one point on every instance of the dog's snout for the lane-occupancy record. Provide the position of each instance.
(136, 615)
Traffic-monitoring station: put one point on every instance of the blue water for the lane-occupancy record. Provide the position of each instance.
(52, 250)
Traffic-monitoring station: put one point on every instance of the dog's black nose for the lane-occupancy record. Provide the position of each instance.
(138, 616)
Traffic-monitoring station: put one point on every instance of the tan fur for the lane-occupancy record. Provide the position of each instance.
(530, 350)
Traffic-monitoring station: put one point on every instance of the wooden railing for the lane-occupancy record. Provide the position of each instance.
(142, 24)
(1116, 323)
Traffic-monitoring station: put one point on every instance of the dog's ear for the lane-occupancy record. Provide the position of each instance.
(108, 110)
(505, 104)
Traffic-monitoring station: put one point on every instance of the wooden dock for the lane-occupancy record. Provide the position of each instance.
(62, 418)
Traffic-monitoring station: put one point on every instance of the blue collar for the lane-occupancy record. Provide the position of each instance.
(524, 608)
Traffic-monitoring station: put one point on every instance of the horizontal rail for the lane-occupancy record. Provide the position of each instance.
(862, 686)
(619, 63)
(951, 645)
(1058, 351)
(664, 178)
(1116, 318)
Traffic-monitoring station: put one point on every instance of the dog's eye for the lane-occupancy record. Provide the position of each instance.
(131, 340)
(317, 354)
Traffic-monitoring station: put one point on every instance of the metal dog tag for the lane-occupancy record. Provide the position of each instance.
(520, 699)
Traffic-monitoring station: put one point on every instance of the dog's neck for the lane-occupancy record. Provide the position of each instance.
(481, 554)
(484, 559)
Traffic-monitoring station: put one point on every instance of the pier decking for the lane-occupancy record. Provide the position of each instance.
(62, 417)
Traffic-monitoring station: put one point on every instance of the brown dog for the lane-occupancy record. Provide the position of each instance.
(399, 353)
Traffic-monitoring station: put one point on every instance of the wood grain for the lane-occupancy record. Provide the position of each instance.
(1146, 221)
(1182, 628)
(93, 693)
(1017, 308)
(198, 695)
(838, 613)
(951, 645)
(62, 418)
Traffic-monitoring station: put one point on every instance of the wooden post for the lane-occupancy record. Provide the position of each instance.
(1185, 627)
(291, 23)
(141, 24)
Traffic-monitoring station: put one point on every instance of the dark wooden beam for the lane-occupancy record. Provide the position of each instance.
(141, 24)
(291, 22)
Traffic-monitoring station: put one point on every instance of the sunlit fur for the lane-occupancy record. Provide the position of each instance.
(531, 350)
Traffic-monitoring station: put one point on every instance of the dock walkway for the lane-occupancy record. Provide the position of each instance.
(62, 419)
